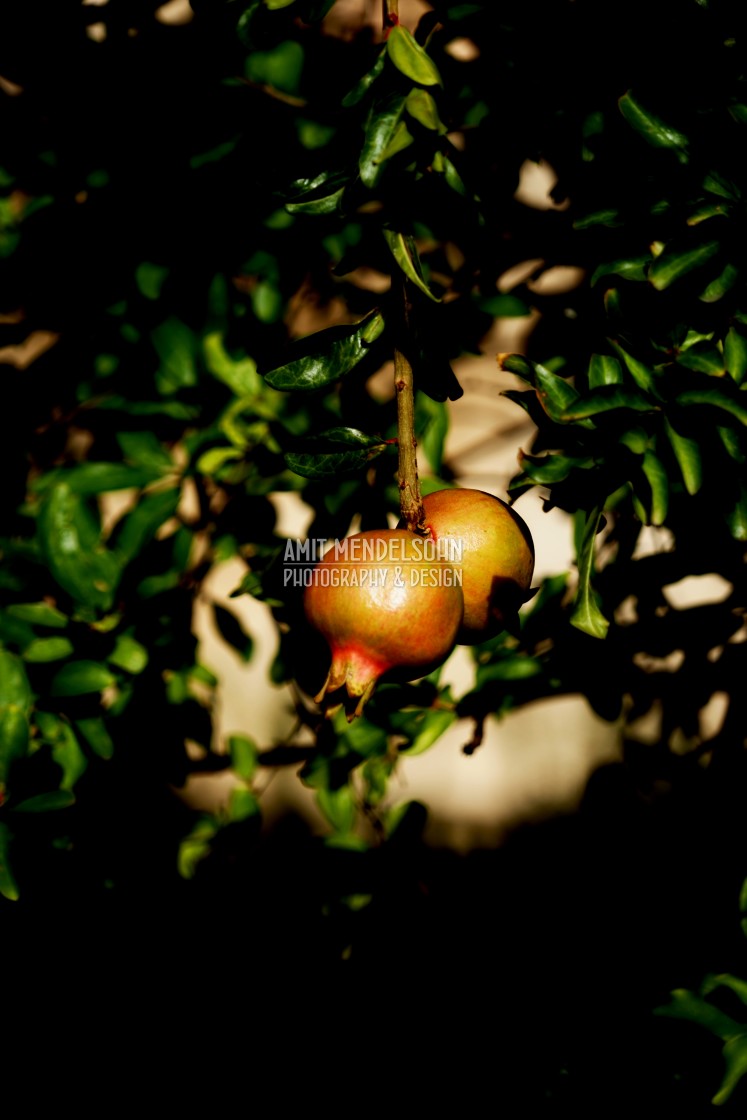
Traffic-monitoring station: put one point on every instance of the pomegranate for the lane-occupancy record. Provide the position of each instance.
(386, 604)
(497, 556)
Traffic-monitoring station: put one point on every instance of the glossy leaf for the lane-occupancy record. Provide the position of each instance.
(327, 355)
(410, 58)
(586, 613)
(338, 451)
(686, 1005)
(604, 370)
(641, 374)
(736, 513)
(325, 204)
(548, 469)
(401, 138)
(653, 130)
(633, 268)
(382, 125)
(607, 398)
(671, 266)
(69, 538)
(421, 106)
(436, 429)
(405, 253)
(703, 357)
(78, 678)
(721, 285)
(14, 741)
(688, 455)
(361, 88)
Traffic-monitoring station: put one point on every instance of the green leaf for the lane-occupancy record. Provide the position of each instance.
(232, 632)
(150, 279)
(325, 204)
(39, 614)
(128, 654)
(338, 806)
(401, 138)
(244, 756)
(548, 469)
(633, 268)
(703, 357)
(736, 514)
(95, 733)
(604, 370)
(15, 689)
(641, 374)
(520, 667)
(46, 802)
(686, 1005)
(735, 354)
(725, 980)
(382, 124)
(671, 266)
(100, 478)
(653, 130)
(721, 285)
(175, 345)
(609, 218)
(716, 397)
(67, 753)
(280, 67)
(338, 451)
(437, 427)
(212, 460)
(688, 456)
(361, 88)
(405, 253)
(586, 613)
(69, 538)
(78, 678)
(605, 399)
(140, 526)
(735, 1056)
(48, 649)
(421, 106)
(327, 355)
(242, 805)
(14, 741)
(431, 728)
(145, 449)
(658, 481)
(410, 58)
(8, 885)
(240, 376)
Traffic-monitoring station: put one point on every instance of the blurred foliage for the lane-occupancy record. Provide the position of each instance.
(174, 200)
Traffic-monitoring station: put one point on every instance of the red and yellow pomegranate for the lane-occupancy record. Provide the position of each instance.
(386, 605)
(497, 556)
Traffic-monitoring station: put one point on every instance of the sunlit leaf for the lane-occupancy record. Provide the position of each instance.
(328, 355)
(586, 613)
(688, 455)
(410, 58)
(672, 265)
(382, 125)
(338, 451)
(80, 677)
(405, 253)
(652, 128)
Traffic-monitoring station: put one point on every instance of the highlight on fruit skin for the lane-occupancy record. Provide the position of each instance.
(497, 557)
(397, 614)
